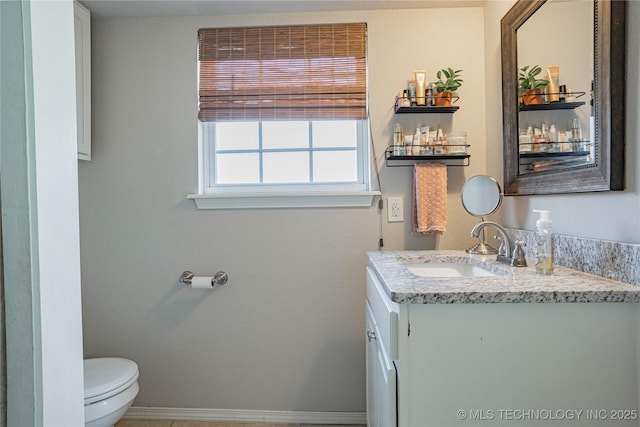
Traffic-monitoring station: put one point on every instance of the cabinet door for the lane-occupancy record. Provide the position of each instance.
(372, 374)
(82, 28)
(386, 385)
(381, 379)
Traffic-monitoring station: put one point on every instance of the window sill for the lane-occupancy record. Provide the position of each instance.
(360, 199)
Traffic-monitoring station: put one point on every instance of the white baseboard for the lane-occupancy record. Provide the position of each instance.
(237, 415)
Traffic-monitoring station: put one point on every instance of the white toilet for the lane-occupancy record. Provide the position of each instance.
(110, 385)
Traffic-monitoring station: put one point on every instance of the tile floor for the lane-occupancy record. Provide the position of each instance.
(169, 423)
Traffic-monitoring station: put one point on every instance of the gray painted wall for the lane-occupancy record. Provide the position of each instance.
(287, 331)
(22, 395)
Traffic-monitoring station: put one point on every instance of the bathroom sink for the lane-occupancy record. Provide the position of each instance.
(448, 269)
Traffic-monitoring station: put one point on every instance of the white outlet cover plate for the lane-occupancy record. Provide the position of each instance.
(395, 209)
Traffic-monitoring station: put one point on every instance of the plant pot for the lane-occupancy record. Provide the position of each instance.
(533, 97)
(442, 99)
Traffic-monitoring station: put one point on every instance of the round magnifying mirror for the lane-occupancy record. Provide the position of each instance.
(481, 196)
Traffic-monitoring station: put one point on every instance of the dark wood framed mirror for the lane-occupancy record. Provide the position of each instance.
(601, 167)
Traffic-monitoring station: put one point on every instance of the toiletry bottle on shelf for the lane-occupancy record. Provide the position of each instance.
(576, 130)
(408, 145)
(438, 144)
(429, 94)
(553, 138)
(398, 140)
(421, 79)
(544, 244)
(425, 148)
(405, 98)
(412, 93)
(416, 143)
(553, 75)
(563, 93)
(553, 134)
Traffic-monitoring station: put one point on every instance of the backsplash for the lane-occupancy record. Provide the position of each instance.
(612, 260)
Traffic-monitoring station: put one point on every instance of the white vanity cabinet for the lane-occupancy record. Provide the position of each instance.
(500, 364)
(82, 31)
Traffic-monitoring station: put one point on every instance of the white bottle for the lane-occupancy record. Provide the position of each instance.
(416, 143)
(553, 137)
(544, 244)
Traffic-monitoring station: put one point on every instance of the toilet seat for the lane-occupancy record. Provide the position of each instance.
(107, 376)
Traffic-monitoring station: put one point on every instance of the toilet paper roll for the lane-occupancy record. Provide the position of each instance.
(202, 283)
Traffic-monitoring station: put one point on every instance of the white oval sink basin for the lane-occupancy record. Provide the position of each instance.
(448, 269)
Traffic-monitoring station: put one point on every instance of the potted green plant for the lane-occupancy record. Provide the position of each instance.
(531, 86)
(448, 82)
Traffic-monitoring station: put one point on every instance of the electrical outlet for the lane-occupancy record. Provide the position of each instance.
(395, 210)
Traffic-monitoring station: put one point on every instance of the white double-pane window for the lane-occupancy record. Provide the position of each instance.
(286, 152)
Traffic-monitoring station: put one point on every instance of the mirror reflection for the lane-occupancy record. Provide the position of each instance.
(481, 195)
(555, 78)
(537, 36)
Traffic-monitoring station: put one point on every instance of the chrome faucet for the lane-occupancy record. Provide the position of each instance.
(504, 251)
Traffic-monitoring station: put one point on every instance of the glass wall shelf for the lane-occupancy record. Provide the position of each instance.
(459, 158)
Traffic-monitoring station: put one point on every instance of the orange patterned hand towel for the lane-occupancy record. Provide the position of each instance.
(430, 198)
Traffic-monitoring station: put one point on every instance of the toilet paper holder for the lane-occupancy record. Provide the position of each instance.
(220, 278)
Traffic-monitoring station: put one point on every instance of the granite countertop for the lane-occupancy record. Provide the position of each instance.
(510, 285)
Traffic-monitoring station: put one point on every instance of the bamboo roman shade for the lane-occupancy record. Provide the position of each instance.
(284, 72)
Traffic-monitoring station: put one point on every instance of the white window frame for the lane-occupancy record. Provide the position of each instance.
(211, 196)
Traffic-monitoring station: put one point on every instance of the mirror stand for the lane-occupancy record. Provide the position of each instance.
(481, 196)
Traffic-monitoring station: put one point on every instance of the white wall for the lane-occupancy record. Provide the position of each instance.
(41, 265)
(607, 216)
(57, 212)
(287, 331)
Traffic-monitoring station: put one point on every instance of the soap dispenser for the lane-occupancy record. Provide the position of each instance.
(544, 244)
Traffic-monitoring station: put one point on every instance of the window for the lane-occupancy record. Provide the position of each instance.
(276, 152)
(283, 109)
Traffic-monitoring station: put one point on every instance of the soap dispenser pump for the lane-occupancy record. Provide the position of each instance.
(544, 244)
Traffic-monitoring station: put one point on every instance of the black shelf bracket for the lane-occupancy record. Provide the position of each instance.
(428, 109)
